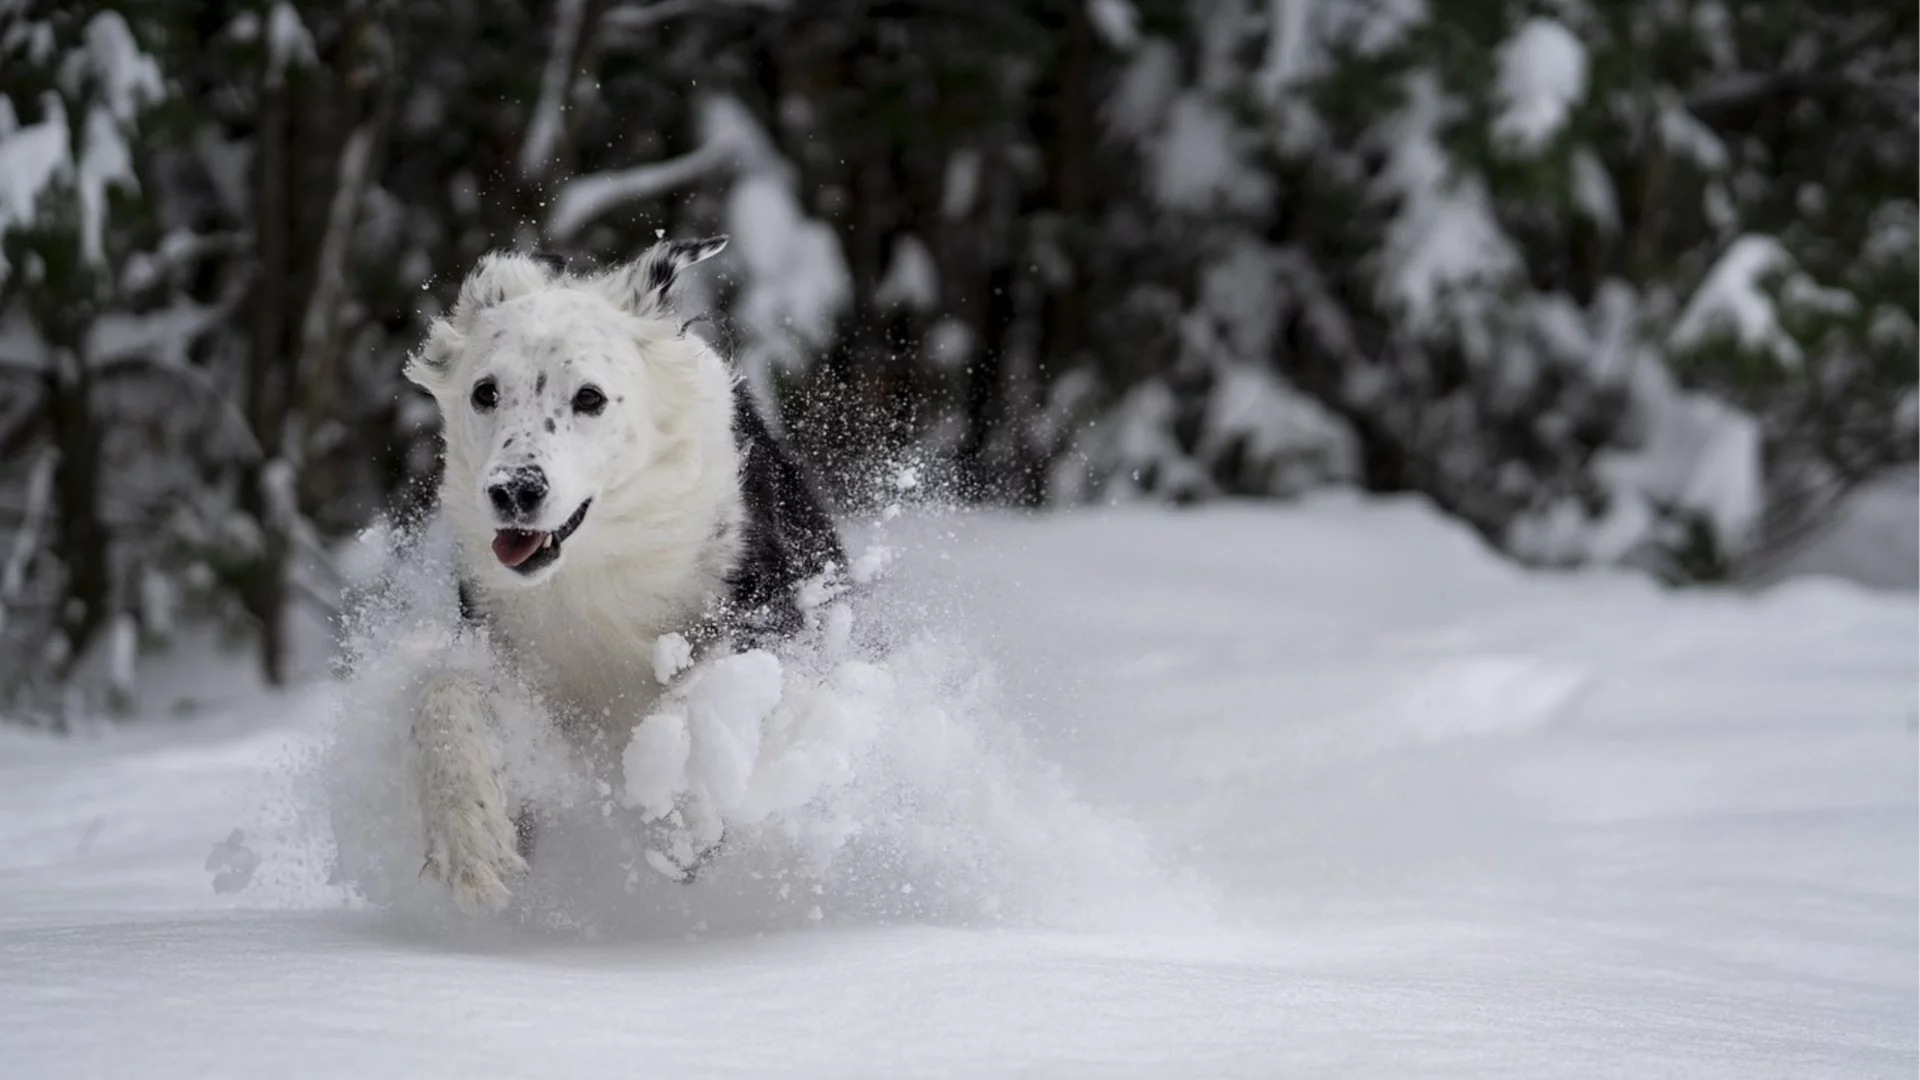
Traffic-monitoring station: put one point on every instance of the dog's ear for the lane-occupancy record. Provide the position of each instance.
(642, 286)
(429, 367)
(500, 276)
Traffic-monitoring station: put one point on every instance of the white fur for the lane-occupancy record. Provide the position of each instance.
(661, 467)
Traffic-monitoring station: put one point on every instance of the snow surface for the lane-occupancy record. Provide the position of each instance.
(1873, 538)
(1317, 790)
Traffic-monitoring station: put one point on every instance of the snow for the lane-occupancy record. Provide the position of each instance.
(106, 163)
(912, 280)
(961, 184)
(1593, 191)
(1681, 131)
(1377, 803)
(1287, 46)
(1116, 21)
(1733, 299)
(32, 159)
(1543, 76)
(556, 78)
(164, 335)
(797, 280)
(1698, 453)
(585, 197)
(288, 42)
(40, 157)
(125, 78)
(1300, 443)
(1444, 235)
(1873, 538)
(1197, 162)
(1138, 106)
(1681, 450)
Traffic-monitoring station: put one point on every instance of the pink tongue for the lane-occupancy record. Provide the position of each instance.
(513, 546)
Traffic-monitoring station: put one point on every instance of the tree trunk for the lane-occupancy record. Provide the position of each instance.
(82, 536)
(262, 583)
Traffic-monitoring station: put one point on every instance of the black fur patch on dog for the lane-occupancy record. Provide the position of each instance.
(786, 536)
(470, 612)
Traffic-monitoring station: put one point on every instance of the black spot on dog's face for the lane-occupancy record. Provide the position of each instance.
(540, 384)
(549, 426)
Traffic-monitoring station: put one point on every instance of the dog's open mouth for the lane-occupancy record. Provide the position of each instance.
(527, 551)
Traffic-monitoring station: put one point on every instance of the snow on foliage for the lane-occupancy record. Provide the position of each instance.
(1684, 455)
(556, 79)
(1293, 441)
(1147, 87)
(111, 79)
(1198, 162)
(1288, 45)
(1543, 76)
(1116, 21)
(122, 77)
(1683, 133)
(797, 279)
(584, 198)
(1593, 191)
(33, 158)
(289, 45)
(1734, 300)
(1444, 235)
(912, 280)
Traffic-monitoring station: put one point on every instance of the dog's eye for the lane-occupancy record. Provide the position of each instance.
(589, 400)
(486, 394)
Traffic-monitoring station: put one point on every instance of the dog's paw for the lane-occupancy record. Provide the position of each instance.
(475, 856)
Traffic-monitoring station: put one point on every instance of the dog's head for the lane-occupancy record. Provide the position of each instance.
(556, 393)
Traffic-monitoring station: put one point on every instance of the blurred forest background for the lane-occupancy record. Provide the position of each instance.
(1613, 281)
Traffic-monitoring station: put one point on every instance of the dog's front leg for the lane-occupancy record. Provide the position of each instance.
(463, 802)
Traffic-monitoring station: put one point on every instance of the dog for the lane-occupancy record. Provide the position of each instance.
(607, 481)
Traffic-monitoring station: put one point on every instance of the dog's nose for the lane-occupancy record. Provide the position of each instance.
(517, 494)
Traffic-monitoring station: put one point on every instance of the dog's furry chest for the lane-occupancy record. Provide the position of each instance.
(587, 646)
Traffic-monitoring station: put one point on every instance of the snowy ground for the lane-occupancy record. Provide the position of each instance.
(1337, 795)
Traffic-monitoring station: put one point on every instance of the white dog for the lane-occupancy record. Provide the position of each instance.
(607, 481)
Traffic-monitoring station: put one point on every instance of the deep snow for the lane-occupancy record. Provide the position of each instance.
(1321, 790)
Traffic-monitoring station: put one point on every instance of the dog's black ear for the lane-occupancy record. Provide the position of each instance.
(645, 285)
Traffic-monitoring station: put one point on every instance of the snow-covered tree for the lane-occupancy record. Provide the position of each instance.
(1611, 282)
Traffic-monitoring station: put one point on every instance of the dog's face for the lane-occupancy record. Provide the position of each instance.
(550, 396)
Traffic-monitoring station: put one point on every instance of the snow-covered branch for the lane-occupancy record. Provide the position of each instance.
(162, 336)
(584, 198)
(630, 18)
(22, 347)
(330, 285)
(543, 130)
